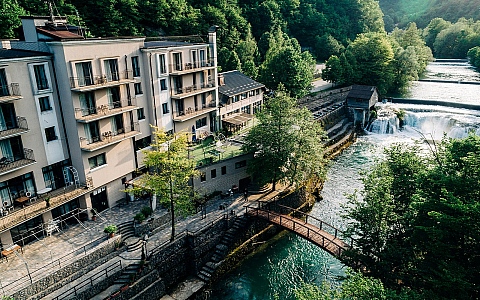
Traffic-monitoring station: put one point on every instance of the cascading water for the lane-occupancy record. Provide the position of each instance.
(434, 122)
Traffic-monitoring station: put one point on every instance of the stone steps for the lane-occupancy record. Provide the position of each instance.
(221, 250)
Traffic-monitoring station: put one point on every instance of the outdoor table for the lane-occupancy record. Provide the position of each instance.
(22, 200)
(44, 191)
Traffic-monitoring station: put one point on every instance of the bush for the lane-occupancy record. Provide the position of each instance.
(139, 217)
(110, 229)
(146, 211)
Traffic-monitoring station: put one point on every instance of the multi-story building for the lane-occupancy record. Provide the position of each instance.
(34, 159)
(75, 113)
(183, 85)
(240, 98)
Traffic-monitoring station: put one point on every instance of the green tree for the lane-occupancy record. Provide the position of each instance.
(10, 20)
(327, 45)
(417, 222)
(286, 143)
(433, 29)
(474, 56)
(170, 171)
(333, 71)
(373, 56)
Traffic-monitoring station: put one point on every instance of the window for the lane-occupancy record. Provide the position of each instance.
(257, 91)
(201, 122)
(163, 84)
(246, 109)
(161, 64)
(84, 73)
(50, 134)
(135, 66)
(257, 106)
(244, 96)
(143, 143)
(138, 88)
(177, 59)
(203, 177)
(224, 170)
(235, 99)
(213, 173)
(3, 84)
(251, 93)
(97, 161)
(40, 77)
(87, 103)
(240, 164)
(111, 69)
(165, 108)
(44, 103)
(53, 175)
(141, 114)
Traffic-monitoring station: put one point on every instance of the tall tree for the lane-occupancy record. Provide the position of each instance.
(10, 12)
(286, 143)
(170, 171)
(417, 222)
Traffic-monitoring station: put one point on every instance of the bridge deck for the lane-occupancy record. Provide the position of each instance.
(329, 242)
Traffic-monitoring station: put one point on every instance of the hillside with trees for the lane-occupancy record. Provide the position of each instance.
(400, 13)
(248, 29)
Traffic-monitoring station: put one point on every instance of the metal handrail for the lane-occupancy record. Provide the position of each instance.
(8, 90)
(11, 162)
(76, 82)
(89, 282)
(106, 108)
(191, 65)
(193, 87)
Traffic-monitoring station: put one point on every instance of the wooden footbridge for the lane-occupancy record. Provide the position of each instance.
(318, 232)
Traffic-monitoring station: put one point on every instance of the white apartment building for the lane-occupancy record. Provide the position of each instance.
(34, 159)
(75, 113)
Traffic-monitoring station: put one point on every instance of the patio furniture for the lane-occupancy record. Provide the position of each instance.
(10, 250)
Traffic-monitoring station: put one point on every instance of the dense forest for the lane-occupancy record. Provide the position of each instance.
(400, 13)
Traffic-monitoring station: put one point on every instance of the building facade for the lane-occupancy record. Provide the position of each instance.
(76, 112)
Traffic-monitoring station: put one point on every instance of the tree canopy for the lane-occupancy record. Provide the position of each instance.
(286, 143)
(169, 172)
(416, 222)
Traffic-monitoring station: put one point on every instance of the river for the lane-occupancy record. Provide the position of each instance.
(279, 268)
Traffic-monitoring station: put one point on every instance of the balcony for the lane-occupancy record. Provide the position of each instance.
(189, 113)
(38, 205)
(16, 129)
(184, 92)
(109, 138)
(179, 69)
(10, 164)
(10, 92)
(106, 110)
(91, 83)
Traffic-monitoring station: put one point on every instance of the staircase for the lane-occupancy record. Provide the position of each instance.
(127, 230)
(222, 249)
(128, 274)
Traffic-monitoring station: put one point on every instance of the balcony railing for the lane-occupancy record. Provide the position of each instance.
(38, 205)
(189, 113)
(109, 137)
(95, 113)
(192, 89)
(10, 92)
(19, 127)
(191, 66)
(100, 81)
(9, 164)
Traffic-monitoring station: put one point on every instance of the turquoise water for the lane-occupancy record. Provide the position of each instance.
(284, 264)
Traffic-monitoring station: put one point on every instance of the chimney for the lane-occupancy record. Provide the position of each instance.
(6, 44)
(221, 80)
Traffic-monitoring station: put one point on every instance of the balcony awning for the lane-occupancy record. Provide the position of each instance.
(238, 119)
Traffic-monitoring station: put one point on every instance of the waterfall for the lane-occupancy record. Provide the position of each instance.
(386, 122)
(434, 122)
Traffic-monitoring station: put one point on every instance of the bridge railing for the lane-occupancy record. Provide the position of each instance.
(312, 233)
(273, 206)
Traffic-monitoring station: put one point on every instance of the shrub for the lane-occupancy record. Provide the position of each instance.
(110, 229)
(146, 211)
(139, 217)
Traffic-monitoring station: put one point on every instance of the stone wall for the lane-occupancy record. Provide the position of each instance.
(52, 282)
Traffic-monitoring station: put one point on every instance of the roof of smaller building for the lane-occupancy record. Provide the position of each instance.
(362, 92)
(236, 83)
(59, 34)
(167, 43)
(16, 53)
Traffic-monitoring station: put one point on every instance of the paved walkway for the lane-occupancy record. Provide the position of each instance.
(48, 254)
